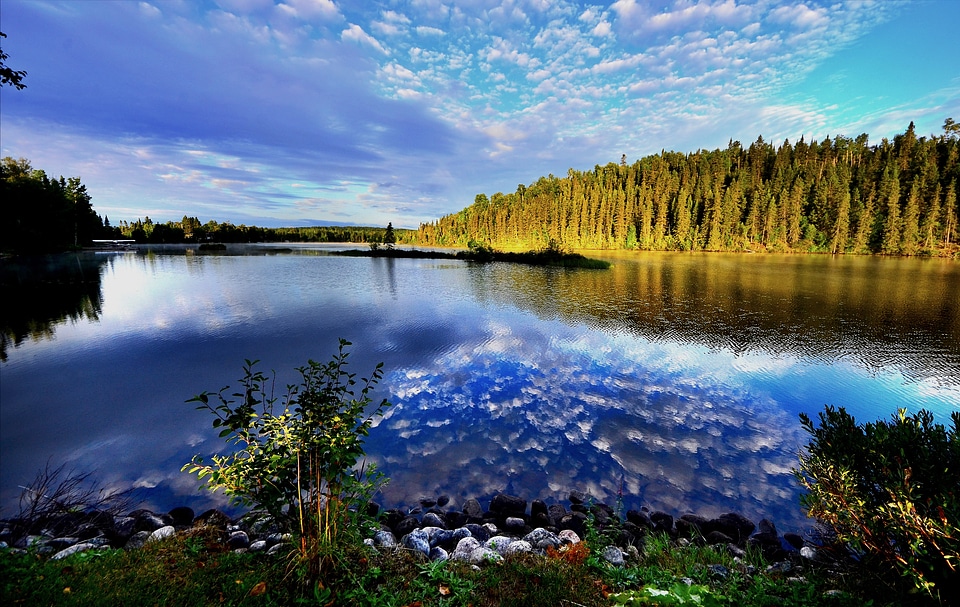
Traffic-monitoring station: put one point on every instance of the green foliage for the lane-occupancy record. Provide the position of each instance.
(296, 456)
(890, 492)
(677, 594)
(169, 572)
(43, 214)
(804, 197)
(389, 238)
(10, 76)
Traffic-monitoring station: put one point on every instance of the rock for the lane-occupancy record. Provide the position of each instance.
(372, 509)
(123, 527)
(258, 546)
(578, 497)
(407, 525)
(472, 509)
(465, 548)
(162, 533)
(794, 540)
(613, 555)
(508, 505)
(515, 525)
(718, 571)
(736, 551)
(417, 541)
(438, 554)
(137, 540)
(456, 519)
(238, 539)
(384, 539)
(478, 531)
(498, 543)
(212, 518)
(541, 539)
(575, 521)
(485, 555)
(431, 519)
(427, 502)
(59, 543)
(639, 518)
(88, 530)
(182, 516)
(391, 518)
(662, 521)
(735, 526)
(692, 526)
(780, 567)
(568, 536)
(443, 500)
(275, 548)
(518, 547)
(83, 547)
(718, 537)
(448, 539)
(556, 512)
(148, 521)
(809, 553)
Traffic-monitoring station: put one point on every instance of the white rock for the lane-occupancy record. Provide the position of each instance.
(73, 550)
(162, 533)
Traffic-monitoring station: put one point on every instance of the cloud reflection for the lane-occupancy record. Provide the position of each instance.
(542, 409)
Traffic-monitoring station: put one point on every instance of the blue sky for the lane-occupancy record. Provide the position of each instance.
(298, 112)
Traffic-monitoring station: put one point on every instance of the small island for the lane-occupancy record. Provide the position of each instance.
(552, 255)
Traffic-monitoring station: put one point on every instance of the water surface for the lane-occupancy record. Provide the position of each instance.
(671, 381)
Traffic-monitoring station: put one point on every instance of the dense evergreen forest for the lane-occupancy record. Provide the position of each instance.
(44, 214)
(839, 195)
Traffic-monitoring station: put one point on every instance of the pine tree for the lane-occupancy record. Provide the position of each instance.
(841, 228)
(891, 226)
(910, 230)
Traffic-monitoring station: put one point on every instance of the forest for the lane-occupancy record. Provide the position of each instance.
(835, 196)
(838, 195)
(43, 214)
(190, 230)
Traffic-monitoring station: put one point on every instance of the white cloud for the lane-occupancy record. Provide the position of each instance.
(308, 10)
(355, 33)
(602, 29)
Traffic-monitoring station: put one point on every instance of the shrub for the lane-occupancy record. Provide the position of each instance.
(296, 457)
(890, 491)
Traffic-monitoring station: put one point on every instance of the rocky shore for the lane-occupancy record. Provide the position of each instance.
(435, 528)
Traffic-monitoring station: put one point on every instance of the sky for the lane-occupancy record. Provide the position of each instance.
(313, 112)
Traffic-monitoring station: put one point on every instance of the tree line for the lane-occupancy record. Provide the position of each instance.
(839, 195)
(191, 230)
(46, 214)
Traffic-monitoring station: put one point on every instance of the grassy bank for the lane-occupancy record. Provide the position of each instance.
(191, 569)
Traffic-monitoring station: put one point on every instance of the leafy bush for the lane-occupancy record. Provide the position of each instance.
(296, 457)
(890, 491)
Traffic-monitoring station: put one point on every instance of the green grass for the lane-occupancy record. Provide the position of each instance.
(194, 570)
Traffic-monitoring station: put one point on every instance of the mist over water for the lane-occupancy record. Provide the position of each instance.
(671, 381)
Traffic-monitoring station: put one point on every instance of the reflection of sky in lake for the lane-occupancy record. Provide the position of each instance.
(491, 394)
(540, 408)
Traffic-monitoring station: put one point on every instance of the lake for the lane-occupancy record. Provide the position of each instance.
(672, 380)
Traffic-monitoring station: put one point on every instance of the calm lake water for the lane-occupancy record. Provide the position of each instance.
(674, 380)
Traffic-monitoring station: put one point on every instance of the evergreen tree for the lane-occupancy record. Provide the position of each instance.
(891, 229)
